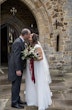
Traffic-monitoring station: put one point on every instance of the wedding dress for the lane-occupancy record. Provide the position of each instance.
(38, 93)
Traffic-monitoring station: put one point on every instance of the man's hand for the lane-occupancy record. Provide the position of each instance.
(18, 73)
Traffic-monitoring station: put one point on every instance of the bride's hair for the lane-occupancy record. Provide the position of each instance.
(35, 38)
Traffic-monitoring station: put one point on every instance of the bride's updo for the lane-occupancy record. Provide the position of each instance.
(35, 38)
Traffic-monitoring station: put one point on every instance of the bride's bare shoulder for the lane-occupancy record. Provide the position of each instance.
(37, 46)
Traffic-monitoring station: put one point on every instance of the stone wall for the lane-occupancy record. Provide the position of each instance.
(68, 41)
(60, 12)
(59, 23)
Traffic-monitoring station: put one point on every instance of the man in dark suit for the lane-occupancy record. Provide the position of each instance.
(16, 66)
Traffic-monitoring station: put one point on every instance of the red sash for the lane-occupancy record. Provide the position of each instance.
(32, 70)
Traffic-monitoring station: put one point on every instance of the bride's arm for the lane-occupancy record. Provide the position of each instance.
(40, 54)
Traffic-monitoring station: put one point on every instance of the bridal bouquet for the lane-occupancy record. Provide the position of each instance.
(29, 52)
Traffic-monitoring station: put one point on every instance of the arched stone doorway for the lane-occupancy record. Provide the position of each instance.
(41, 15)
(12, 22)
(8, 35)
(36, 13)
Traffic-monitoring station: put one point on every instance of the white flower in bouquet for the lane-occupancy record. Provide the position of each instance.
(29, 53)
(24, 53)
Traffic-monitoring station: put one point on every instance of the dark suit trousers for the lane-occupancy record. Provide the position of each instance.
(16, 89)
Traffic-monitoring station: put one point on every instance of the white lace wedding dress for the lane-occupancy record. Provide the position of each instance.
(38, 93)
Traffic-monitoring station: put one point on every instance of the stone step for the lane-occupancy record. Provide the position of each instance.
(55, 106)
(59, 108)
(3, 103)
(61, 88)
(62, 103)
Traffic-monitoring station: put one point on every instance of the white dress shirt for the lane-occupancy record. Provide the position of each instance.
(21, 38)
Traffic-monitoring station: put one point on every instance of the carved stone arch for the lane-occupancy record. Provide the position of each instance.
(14, 22)
(43, 19)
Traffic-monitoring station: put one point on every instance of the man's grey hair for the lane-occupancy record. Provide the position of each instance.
(25, 31)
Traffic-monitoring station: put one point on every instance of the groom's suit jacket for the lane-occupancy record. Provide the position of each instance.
(15, 62)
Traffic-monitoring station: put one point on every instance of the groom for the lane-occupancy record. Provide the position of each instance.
(16, 66)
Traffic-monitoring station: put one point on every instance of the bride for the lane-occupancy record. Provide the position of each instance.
(38, 92)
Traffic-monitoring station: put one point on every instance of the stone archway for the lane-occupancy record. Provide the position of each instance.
(8, 35)
(16, 21)
(42, 18)
(20, 17)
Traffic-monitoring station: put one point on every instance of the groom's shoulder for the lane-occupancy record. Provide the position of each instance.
(17, 40)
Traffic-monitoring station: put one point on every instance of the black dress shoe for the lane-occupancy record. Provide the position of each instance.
(21, 102)
(18, 106)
